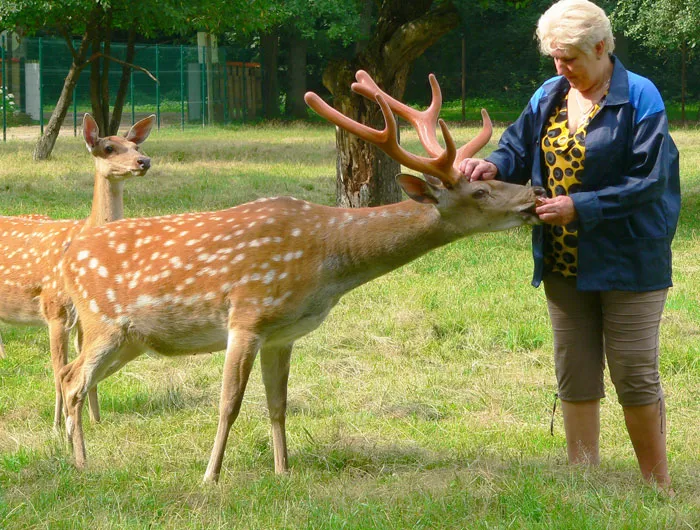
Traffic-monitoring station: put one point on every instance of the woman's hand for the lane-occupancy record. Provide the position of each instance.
(558, 210)
(477, 169)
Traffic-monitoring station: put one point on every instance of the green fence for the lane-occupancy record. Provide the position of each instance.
(191, 88)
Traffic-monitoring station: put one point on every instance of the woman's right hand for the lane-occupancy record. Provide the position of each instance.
(477, 169)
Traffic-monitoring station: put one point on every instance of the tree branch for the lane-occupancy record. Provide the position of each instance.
(97, 55)
(412, 39)
(66, 36)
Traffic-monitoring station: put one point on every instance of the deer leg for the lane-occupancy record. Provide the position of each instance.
(240, 354)
(274, 362)
(93, 404)
(2, 349)
(97, 360)
(73, 388)
(58, 343)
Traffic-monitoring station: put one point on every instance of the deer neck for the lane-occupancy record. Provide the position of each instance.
(375, 241)
(107, 201)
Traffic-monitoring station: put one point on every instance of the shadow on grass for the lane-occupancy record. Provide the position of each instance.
(153, 402)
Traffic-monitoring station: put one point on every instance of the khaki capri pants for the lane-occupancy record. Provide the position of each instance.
(592, 326)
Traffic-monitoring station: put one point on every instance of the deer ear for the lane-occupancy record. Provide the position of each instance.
(141, 129)
(417, 189)
(91, 132)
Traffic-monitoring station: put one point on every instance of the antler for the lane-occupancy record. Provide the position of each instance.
(443, 162)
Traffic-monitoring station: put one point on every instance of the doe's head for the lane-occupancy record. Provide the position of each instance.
(118, 157)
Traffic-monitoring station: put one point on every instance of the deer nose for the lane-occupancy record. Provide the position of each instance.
(539, 191)
(145, 163)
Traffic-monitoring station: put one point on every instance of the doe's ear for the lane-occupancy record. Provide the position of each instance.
(141, 129)
(416, 188)
(91, 132)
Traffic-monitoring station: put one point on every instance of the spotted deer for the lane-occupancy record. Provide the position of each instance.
(36, 216)
(32, 246)
(258, 276)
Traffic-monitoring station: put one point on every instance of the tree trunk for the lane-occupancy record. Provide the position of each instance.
(104, 75)
(98, 112)
(365, 176)
(45, 145)
(296, 108)
(269, 44)
(123, 84)
(684, 80)
(358, 160)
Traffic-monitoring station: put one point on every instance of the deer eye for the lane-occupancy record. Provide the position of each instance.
(109, 149)
(479, 194)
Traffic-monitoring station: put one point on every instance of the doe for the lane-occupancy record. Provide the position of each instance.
(32, 246)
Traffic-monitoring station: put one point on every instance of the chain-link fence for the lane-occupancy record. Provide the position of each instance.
(196, 85)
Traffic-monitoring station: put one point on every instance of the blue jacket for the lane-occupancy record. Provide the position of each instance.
(629, 203)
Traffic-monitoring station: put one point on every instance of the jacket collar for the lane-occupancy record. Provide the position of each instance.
(618, 94)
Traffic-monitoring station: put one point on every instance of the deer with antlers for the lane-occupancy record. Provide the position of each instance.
(32, 246)
(256, 277)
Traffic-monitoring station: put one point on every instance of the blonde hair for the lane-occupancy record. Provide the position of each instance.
(576, 24)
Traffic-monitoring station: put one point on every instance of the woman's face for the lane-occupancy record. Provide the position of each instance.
(579, 68)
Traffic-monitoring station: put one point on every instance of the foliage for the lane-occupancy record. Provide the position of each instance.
(660, 24)
(339, 21)
(8, 98)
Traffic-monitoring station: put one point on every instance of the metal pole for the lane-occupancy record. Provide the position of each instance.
(210, 78)
(182, 87)
(4, 91)
(464, 79)
(245, 91)
(157, 88)
(131, 92)
(225, 70)
(75, 104)
(75, 112)
(203, 89)
(41, 86)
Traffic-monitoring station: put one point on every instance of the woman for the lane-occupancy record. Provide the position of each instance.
(596, 137)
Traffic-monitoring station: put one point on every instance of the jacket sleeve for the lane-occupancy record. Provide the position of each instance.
(513, 157)
(644, 180)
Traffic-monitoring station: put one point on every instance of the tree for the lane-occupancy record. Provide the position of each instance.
(289, 30)
(323, 24)
(97, 21)
(666, 25)
(30, 16)
(400, 33)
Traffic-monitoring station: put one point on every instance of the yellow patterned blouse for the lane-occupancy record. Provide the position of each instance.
(564, 153)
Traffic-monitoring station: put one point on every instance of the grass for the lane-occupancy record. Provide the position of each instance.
(423, 401)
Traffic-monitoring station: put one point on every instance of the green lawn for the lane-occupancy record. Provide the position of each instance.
(423, 401)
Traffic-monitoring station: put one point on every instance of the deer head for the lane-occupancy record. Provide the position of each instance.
(118, 157)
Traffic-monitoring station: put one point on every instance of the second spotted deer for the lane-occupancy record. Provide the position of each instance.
(32, 246)
(257, 277)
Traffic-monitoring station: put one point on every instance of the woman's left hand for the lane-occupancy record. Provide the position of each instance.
(557, 210)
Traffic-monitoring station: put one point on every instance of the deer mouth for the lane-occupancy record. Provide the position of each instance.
(529, 214)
